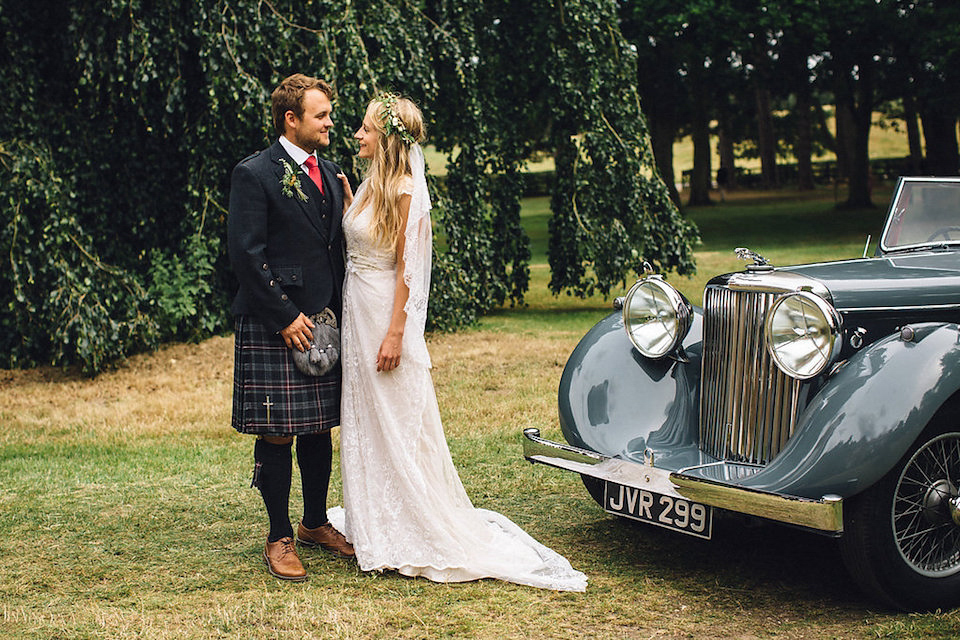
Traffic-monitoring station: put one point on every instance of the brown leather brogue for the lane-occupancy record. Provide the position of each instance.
(282, 560)
(327, 538)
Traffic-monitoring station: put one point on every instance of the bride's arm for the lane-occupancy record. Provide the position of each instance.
(389, 355)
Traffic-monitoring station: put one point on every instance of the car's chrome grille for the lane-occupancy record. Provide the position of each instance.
(748, 407)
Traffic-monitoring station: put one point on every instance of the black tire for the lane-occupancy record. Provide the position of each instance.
(900, 542)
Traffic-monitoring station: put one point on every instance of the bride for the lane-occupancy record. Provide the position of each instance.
(404, 505)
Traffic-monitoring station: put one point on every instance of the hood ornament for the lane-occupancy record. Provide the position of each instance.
(758, 260)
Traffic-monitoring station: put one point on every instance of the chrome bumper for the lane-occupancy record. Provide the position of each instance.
(824, 515)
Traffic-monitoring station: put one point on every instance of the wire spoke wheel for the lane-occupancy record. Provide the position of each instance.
(901, 539)
(926, 509)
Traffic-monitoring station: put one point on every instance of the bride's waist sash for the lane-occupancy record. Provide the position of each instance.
(369, 263)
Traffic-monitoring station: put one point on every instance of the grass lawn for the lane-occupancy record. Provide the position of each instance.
(126, 511)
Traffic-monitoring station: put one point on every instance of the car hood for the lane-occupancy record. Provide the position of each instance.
(911, 280)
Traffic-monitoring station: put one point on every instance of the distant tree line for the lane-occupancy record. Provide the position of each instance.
(123, 118)
(764, 72)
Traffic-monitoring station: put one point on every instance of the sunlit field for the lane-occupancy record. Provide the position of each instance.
(885, 142)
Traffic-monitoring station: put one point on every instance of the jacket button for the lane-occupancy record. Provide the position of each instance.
(294, 277)
(284, 297)
(265, 266)
(272, 283)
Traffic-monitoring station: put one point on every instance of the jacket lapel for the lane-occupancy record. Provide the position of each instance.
(308, 208)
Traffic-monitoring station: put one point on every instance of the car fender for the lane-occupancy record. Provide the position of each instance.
(614, 401)
(869, 411)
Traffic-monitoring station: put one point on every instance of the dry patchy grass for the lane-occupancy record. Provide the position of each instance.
(182, 387)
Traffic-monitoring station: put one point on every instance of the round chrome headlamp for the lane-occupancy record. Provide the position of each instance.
(801, 333)
(656, 317)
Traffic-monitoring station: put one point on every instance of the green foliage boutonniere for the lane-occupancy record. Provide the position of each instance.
(290, 182)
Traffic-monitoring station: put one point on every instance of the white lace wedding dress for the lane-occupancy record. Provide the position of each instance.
(404, 505)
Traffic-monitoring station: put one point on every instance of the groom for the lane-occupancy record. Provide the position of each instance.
(286, 250)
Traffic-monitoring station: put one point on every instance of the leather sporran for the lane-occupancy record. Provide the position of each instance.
(324, 351)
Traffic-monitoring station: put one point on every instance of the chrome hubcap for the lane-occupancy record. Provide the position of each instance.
(936, 502)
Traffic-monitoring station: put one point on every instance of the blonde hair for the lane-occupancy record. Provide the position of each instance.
(390, 165)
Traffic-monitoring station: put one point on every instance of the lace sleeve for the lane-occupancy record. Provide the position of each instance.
(417, 256)
(406, 186)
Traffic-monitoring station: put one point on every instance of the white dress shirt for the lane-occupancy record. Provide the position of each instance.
(299, 155)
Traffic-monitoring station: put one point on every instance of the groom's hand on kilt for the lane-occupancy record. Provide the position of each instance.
(297, 335)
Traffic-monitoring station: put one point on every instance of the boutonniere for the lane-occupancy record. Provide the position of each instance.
(290, 182)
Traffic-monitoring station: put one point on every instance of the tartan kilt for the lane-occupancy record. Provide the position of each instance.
(271, 397)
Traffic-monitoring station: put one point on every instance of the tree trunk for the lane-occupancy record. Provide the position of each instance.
(803, 150)
(860, 177)
(662, 132)
(727, 159)
(940, 134)
(700, 132)
(862, 112)
(844, 136)
(766, 142)
(913, 135)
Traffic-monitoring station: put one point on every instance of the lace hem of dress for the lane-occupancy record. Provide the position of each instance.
(553, 571)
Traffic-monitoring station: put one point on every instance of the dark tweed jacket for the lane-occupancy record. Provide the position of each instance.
(287, 254)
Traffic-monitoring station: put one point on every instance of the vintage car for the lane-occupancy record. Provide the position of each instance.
(825, 396)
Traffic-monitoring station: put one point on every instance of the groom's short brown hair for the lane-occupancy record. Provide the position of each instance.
(288, 96)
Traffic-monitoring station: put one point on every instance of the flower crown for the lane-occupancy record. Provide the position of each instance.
(390, 119)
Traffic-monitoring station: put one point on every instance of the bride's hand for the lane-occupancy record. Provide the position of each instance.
(347, 191)
(388, 358)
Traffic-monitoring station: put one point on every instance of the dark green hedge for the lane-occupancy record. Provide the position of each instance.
(123, 119)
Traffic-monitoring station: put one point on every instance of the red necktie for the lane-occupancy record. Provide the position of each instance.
(314, 172)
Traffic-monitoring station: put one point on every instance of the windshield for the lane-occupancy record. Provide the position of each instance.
(925, 211)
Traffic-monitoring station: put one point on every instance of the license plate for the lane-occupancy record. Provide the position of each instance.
(662, 510)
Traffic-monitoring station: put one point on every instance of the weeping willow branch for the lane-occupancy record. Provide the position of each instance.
(226, 43)
(288, 22)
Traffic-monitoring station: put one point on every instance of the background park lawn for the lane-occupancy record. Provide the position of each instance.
(125, 507)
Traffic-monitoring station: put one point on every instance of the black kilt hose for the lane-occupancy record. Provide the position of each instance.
(271, 397)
